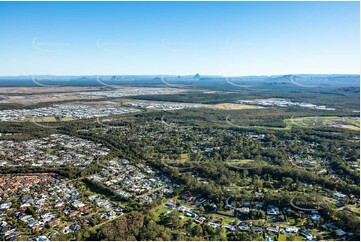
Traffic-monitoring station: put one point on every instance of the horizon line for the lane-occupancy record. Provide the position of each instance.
(216, 75)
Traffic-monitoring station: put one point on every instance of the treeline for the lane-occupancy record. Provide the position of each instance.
(23, 131)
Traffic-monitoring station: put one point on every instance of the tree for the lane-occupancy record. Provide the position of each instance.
(173, 220)
(290, 237)
(319, 237)
(221, 233)
(287, 181)
(124, 228)
(197, 231)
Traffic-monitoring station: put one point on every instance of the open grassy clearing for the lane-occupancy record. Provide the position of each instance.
(246, 164)
(240, 162)
(234, 106)
(159, 211)
(283, 237)
(313, 122)
(353, 209)
(322, 121)
(49, 119)
(184, 157)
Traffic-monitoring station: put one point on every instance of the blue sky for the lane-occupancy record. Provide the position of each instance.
(219, 38)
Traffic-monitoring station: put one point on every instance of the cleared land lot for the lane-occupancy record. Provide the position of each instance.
(310, 122)
(327, 121)
(235, 106)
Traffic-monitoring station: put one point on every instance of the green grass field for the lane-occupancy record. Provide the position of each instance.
(283, 237)
(247, 163)
(240, 162)
(158, 211)
(319, 121)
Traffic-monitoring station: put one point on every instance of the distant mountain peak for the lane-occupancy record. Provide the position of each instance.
(196, 76)
(83, 78)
